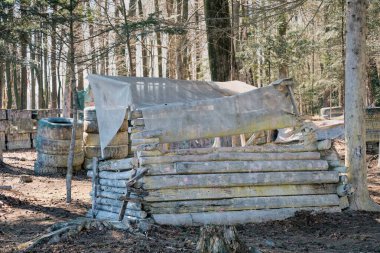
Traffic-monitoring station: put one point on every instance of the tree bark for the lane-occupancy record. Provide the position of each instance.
(144, 53)
(9, 83)
(24, 56)
(159, 42)
(355, 78)
(218, 28)
(170, 68)
(45, 72)
(39, 70)
(32, 74)
(220, 239)
(70, 158)
(2, 83)
(121, 66)
(53, 64)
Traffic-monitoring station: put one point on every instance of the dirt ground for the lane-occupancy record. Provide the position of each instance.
(29, 209)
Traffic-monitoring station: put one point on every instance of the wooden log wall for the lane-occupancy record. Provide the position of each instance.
(221, 185)
(111, 186)
(18, 127)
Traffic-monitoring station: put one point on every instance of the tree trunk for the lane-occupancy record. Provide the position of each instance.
(15, 80)
(121, 66)
(197, 43)
(9, 83)
(283, 67)
(178, 42)
(218, 28)
(24, 73)
(2, 83)
(45, 72)
(144, 53)
(32, 74)
(70, 158)
(355, 78)
(41, 99)
(24, 57)
(170, 68)
(342, 32)
(131, 40)
(220, 239)
(92, 40)
(159, 42)
(67, 90)
(53, 65)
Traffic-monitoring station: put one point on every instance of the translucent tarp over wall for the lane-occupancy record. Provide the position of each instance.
(187, 106)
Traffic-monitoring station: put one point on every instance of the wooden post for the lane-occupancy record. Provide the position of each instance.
(94, 184)
(355, 80)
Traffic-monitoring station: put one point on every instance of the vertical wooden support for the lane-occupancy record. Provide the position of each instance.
(95, 176)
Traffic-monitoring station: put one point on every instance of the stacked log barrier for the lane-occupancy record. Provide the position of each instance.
(220, 185)
(113, 176)
(18, 128)
(116, 149)
(53, 144)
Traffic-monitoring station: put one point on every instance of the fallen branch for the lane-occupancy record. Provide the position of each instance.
(63, 230)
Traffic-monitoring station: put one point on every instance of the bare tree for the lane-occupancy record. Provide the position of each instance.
(355, 78)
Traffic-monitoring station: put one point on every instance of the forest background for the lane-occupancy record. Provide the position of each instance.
(49, 46)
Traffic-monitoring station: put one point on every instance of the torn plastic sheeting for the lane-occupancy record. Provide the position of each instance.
(111, 102)
(114, 94)
(259, 109)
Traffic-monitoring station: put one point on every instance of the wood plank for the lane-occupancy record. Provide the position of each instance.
(117, 203)
(136, 142)
(106, 215)
(234, 217)
(128, 212)
(230, 157)
(235, 192)
(146, 134)
(113, 183)
(13, 114)
(249, 166)
(236, 204)
(135, 114)
(124, 175)
(117, 165)
(238, 179)
(267, 148)
(138, 122)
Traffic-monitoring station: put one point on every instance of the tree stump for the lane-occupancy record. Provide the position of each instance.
(220, 239)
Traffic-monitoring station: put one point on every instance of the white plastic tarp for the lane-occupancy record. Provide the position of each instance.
(114, 94)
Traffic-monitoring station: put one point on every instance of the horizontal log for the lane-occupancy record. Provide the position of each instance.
(135, 114)
(146, 134)
(138, 122)
(118, 203)
(239, 192)
(113, 175)
(113, 183)
(237, 204)
(119, 183)
(147, 147)
(136, 129)
(238, 179)
(248, 166)
(128, 212)
(137, 142)
(267, 148)
(143, 153)
(117, 165)
(104, 188)
(230, 157)
(106, 215)
(233, 217)
(117, 195)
